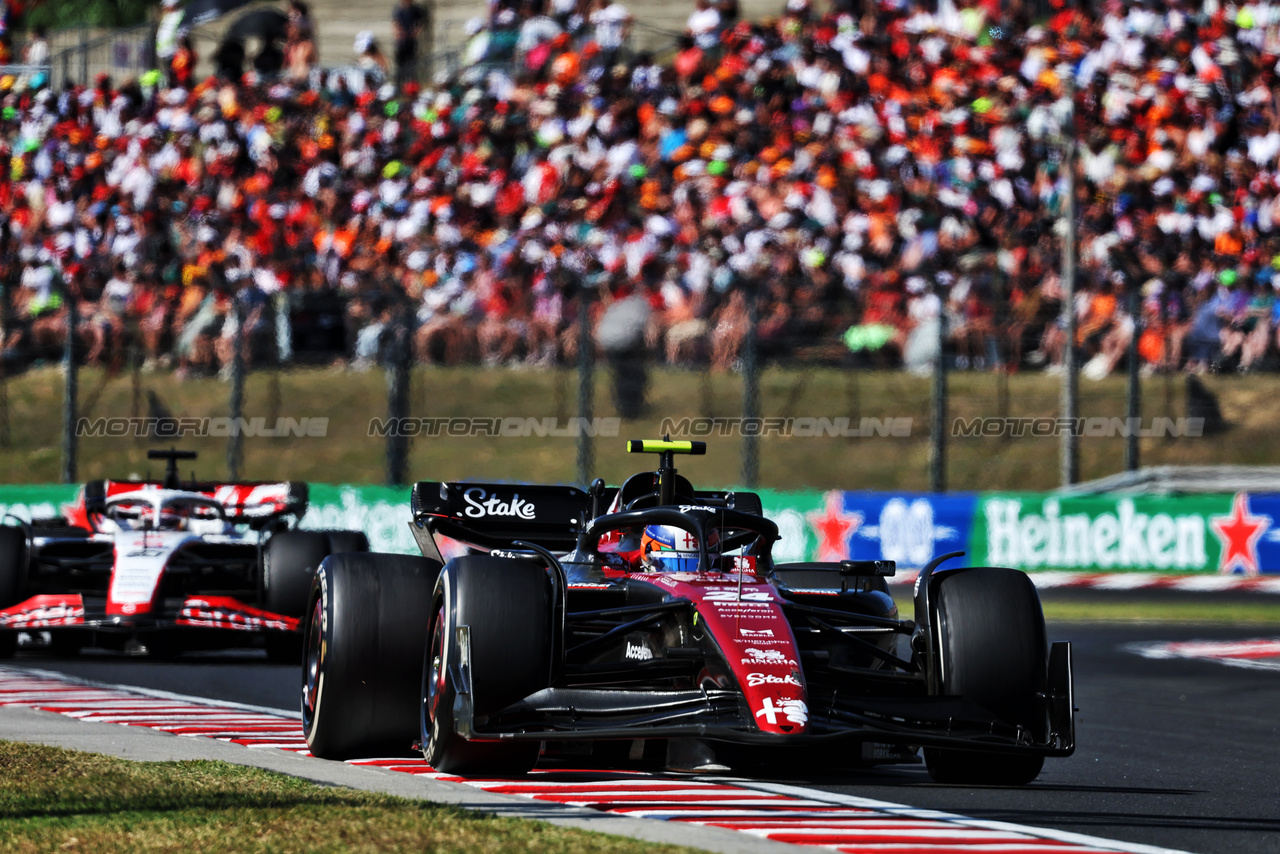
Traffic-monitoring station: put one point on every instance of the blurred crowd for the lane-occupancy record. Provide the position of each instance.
(861, 181)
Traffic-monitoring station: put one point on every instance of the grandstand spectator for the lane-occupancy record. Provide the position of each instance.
(846, 161)
(371, 60)
(182, 64)
(37, 50)
(704, 24)
(300, 16)
(409, 22)
(228, 59)
(168, 33)
(612, 23)
(299, 51)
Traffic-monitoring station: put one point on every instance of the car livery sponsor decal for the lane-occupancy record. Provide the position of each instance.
(247, 500)
(44, 611)
(223, 612)
(481, 504)
(140, 562)
(766, 656)
(732, 594)
(795, 711)
(638, 652)
(728, 605)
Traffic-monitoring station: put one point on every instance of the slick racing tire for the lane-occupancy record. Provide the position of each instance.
(507, 607)
(290, 563)
(993, 652)
(341, 542)
(13, 573)
(288, 566)
(364, 635)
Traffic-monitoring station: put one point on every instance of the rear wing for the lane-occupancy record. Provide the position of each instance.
(494, 515)
(251, 503)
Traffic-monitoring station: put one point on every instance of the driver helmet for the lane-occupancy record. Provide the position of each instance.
(666, 548)
(172, 519)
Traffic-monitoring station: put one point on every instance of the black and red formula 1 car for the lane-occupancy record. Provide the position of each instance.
(165, 567)
(653, 615)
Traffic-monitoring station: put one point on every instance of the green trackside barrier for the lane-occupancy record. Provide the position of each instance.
(1214, 533)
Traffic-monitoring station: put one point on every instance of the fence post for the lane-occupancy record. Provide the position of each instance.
(1070, 376)
(135, 381)
(69, 389)
(235, 441)
(586, 386)
(1168, 368)
(398, 399)
(1135, 389)
(280, 354)
(750, 394)
(938, 437)
(4, 376)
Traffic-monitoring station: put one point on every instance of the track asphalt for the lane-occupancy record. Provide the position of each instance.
(1174, 753)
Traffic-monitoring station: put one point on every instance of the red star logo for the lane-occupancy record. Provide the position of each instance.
(1239, 534)
(834, 527)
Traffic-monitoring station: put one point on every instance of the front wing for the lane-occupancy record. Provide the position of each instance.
(566, 714)
(52, 612)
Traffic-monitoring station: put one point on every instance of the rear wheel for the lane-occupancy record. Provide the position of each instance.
(507, 607)
(993, 652)
(341, 542)
(364, 638)
(289, 563)
(13, 575)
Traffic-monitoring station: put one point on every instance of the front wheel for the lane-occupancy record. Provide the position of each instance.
(365, 632)
(993, 652)
(506, 606)
(289, 563)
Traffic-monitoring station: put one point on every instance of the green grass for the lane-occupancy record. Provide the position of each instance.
(1203, 610)
(62, 800)
(33, 405)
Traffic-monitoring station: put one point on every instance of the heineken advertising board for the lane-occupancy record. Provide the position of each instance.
(909, 528)
(1106, 533)
(1218, 533)
(1109, 533)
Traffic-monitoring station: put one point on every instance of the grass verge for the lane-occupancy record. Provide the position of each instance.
(30, 424)
(66, 801)
(1203, 610)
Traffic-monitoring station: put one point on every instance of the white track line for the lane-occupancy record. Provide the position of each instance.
(167, 695)
(912, 812)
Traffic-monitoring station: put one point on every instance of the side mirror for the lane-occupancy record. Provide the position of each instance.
(886, 568)
(596, 492)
